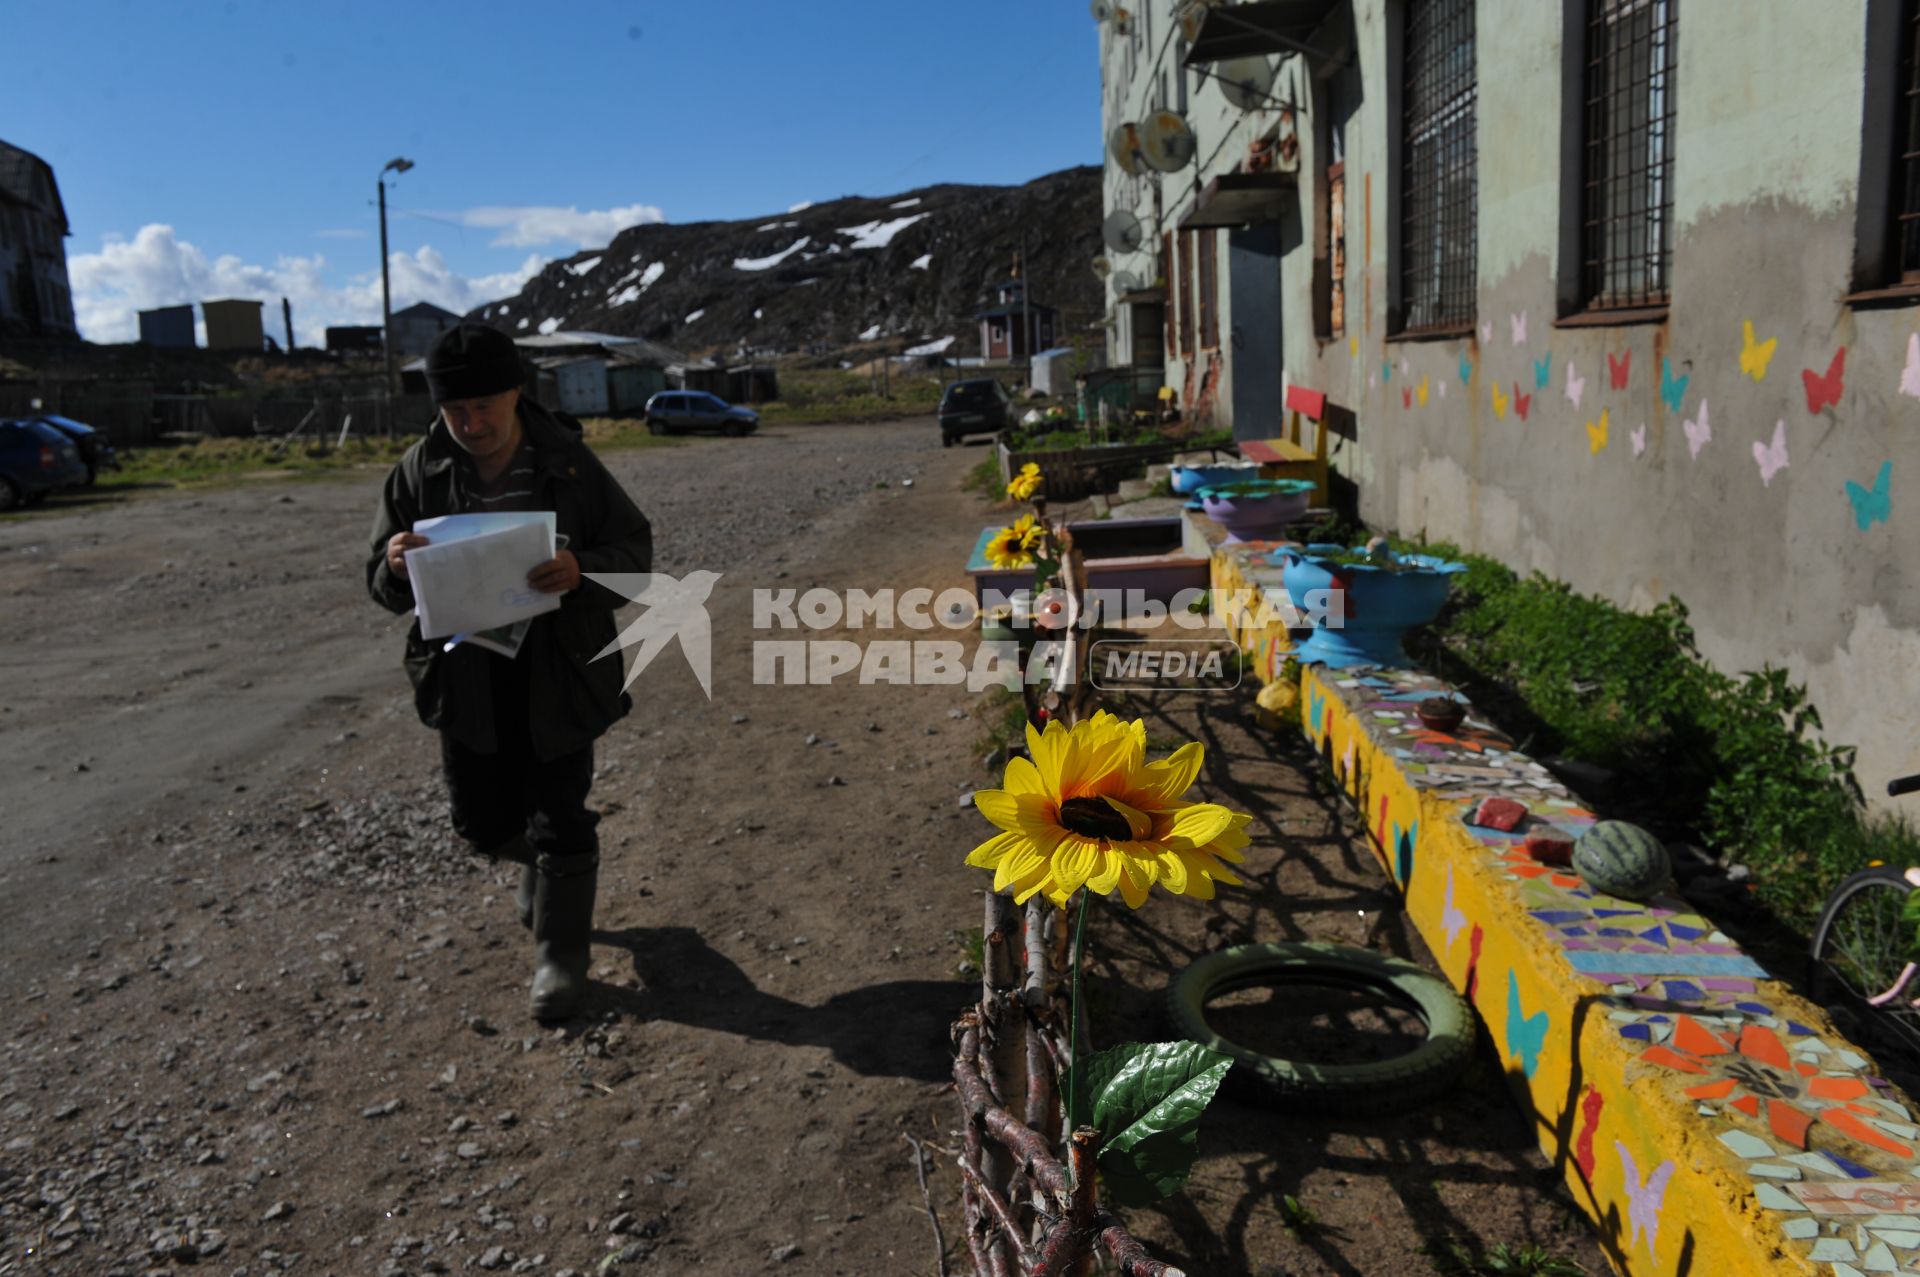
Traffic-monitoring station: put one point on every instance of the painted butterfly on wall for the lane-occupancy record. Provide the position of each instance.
(1873, 505)
(1617, 369)
(1542, 370)
(1521, 402)
(1597, 434)
(1673, 389)
(1772, 459)
(1699, 432)
(1755, 355)
(1526, 1034)
(1825, 390)
(1576, 385)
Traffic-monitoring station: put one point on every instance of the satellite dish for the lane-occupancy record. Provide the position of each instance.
(1102, 267)
(1101, 10)
(1122, 20)
(1127, 146)
(1125, 282)
(1122, 231)
(1166, 143)
(1246, 82)
(1191, 14)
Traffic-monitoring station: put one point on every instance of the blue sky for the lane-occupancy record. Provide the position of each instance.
(231, 147)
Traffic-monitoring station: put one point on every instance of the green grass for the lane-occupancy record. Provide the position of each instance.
(821, 396)
(1457, 1258)
(1003, 718)
(206, 462)
(1735, 762)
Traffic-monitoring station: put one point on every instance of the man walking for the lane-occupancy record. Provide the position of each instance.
(517, 733)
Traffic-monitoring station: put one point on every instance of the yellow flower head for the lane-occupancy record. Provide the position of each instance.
(1089, 810)
(1026, 483)
(1012, 547)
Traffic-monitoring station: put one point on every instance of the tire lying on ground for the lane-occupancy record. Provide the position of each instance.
(1427, 1071)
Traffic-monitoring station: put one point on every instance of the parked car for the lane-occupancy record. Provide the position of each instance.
(979, 406)
(673, 412)
(94, 448)
(36, 459)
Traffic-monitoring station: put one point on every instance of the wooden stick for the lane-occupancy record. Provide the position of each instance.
(1128, 1252)
(970, 1207)
(926, 1197)
(998, 1208)
(997, 1122)
(1084, 1182)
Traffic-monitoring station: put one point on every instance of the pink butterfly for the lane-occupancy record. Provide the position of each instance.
(1639, 436)
(1486, 332)
(1576, 385)
(1451, 918)
(1517, 325)
(1772, 459)
(1910, 375)
(1644, 1200)
(1698, 432)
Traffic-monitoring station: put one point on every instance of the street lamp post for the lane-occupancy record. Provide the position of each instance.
(386, 291)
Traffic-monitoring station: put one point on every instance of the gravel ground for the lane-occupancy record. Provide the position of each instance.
(267, 1016)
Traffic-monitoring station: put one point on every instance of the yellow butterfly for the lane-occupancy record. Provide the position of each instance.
(1755, 355)
(1597, 433)
(1420, 392)
(1353, 347)
(1499, 403)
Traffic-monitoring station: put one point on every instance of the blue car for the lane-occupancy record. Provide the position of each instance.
(36, 459)
(95, 452)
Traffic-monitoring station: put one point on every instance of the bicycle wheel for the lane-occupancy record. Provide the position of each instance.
(1861, 946)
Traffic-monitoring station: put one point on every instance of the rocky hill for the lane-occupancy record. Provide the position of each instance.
(903, 269)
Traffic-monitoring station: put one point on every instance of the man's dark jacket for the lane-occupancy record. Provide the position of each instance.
(574, 697)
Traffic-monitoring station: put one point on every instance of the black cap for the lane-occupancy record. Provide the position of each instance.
(470, 360)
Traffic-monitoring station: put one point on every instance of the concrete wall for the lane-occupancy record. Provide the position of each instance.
(1771, 178)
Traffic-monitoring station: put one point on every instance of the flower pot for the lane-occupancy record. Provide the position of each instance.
(1187, 479)
(1375, 603)
(1256, 509)
(1441, 713)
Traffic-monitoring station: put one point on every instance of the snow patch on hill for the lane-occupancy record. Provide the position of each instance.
(768, 263)
(581, 268)
(879, 234)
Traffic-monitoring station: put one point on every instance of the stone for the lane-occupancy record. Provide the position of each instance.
(781, 1254)
(279, 1210)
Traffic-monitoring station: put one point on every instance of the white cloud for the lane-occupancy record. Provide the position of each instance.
(157, 268)
(532, 225)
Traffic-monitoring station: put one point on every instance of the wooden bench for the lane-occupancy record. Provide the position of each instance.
(1289, 456)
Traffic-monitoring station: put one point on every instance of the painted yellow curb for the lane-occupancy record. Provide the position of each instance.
(1708, 1119)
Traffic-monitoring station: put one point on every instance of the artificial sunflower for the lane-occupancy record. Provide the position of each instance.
(1090, 810)
(1013, 546)
(1026, 483)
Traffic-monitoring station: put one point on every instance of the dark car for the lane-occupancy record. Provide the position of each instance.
(981, 406)
(94, 448)
(673, 412)
(36, 459)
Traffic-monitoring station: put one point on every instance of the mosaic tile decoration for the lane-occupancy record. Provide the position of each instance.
(1829, 1148)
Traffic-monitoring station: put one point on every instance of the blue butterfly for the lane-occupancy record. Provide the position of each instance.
(1672, 389)
(1542, 370)
(1875, 506)
(1526, 1034)
(1403, 841)
(1466, 370)
(1315, 704)
(1386, 372)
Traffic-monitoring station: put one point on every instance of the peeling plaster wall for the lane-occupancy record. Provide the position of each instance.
(1767, 180)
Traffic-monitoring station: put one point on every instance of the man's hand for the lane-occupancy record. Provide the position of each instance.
(397, 546)
(557, 575)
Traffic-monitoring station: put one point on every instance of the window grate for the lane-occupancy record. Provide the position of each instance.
(1186, 294)
(1627, 205)
(1439, 203)
(1906, 218)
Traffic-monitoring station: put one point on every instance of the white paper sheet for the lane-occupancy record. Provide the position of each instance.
(479, 581)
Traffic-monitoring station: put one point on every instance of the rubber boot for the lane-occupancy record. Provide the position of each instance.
(516, 851)
(523, 896)
(563, 892)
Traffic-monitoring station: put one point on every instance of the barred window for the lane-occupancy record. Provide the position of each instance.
(1439, 150)
(1906, 168)
(1627, 204)
(1209, 289)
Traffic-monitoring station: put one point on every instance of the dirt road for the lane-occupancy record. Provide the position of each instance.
(263, 1015)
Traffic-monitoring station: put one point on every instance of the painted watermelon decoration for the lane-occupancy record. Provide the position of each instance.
(1622, 860)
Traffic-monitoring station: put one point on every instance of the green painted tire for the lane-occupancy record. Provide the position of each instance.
(1427, 1071)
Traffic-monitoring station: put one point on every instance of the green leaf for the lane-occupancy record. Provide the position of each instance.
(1147, 1101)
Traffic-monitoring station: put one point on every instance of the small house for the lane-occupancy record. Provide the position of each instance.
(354, 339)
(234, 324)
(1015, 326)
(168, 327)
(36, 298)
(416, 327)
